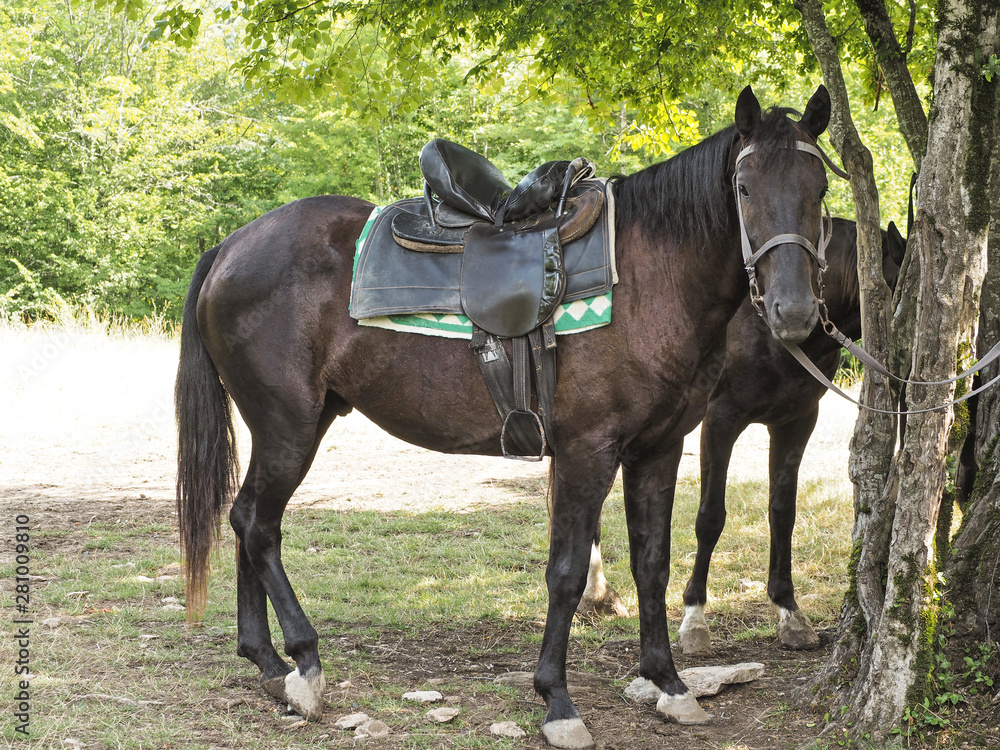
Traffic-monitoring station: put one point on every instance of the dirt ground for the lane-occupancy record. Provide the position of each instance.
(86, 432)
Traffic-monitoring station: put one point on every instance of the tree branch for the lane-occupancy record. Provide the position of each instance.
(912, 27)
(892, 60)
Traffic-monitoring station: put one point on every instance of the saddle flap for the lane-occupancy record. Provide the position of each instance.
(512, 280)
(462, 178)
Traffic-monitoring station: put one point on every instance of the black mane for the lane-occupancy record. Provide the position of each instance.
(690, 195)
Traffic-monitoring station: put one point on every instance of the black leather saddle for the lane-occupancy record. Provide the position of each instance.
(513, 270)
(505, 257)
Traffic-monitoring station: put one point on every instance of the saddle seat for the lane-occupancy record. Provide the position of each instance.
(472, 188)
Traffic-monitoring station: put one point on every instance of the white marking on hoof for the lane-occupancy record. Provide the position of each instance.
(694, 637)
(642, 690)
(567, 733)
(599, 599)
(305, 694)
(683, 709)
(794, 630)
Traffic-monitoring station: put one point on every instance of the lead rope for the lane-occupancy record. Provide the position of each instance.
(807, 363)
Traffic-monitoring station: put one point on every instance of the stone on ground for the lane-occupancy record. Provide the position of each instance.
(423, 696)
(704, 681)
(506, 729)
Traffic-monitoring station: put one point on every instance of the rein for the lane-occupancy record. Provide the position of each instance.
(750, 259)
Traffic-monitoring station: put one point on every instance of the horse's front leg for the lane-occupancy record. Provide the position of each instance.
(579, 487)
(788, 443)
(649, 497)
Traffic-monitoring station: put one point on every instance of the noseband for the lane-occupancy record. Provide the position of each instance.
(750, 257)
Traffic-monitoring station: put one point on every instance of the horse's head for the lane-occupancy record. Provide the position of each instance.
(780, 181)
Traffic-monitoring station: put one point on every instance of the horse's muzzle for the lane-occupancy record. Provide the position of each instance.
(793, 321)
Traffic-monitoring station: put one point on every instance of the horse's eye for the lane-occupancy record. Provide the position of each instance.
(822, 194)
(743, 191)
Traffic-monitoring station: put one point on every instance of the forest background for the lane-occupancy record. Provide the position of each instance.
(124, 156)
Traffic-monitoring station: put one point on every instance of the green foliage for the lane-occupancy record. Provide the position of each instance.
(951, 685)
(991, 67)
(384, 59)
(124, 160)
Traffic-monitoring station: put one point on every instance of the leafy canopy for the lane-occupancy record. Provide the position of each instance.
(647, 55)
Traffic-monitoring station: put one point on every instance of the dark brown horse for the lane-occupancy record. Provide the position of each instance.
(266, 323)
(761, 383)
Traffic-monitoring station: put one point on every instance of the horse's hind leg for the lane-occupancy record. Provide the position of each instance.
(279, 462)
(254, 639)
(599, 599)
(788, 442)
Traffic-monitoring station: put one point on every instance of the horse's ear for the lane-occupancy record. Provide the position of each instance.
(817, 114)
(747, 113)
(897, 244)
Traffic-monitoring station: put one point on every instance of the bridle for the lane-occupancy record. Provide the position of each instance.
(818, 252)
(750, 259)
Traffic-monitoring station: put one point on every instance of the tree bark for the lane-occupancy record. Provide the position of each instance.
(972, 573)
(888, 619)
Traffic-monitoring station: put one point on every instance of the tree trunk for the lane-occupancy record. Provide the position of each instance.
(874, 441)
(892, 59)
(888, 619)
(972, 574)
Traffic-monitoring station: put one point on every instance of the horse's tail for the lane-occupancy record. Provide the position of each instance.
(207, 462)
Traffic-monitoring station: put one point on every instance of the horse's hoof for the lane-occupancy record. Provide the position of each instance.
(612, 605)
(567, 733)
(696, 642)
(694, 637)
(275, 687)
(608, 605)
(795, 632)
(305, 693)
(683, 709)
